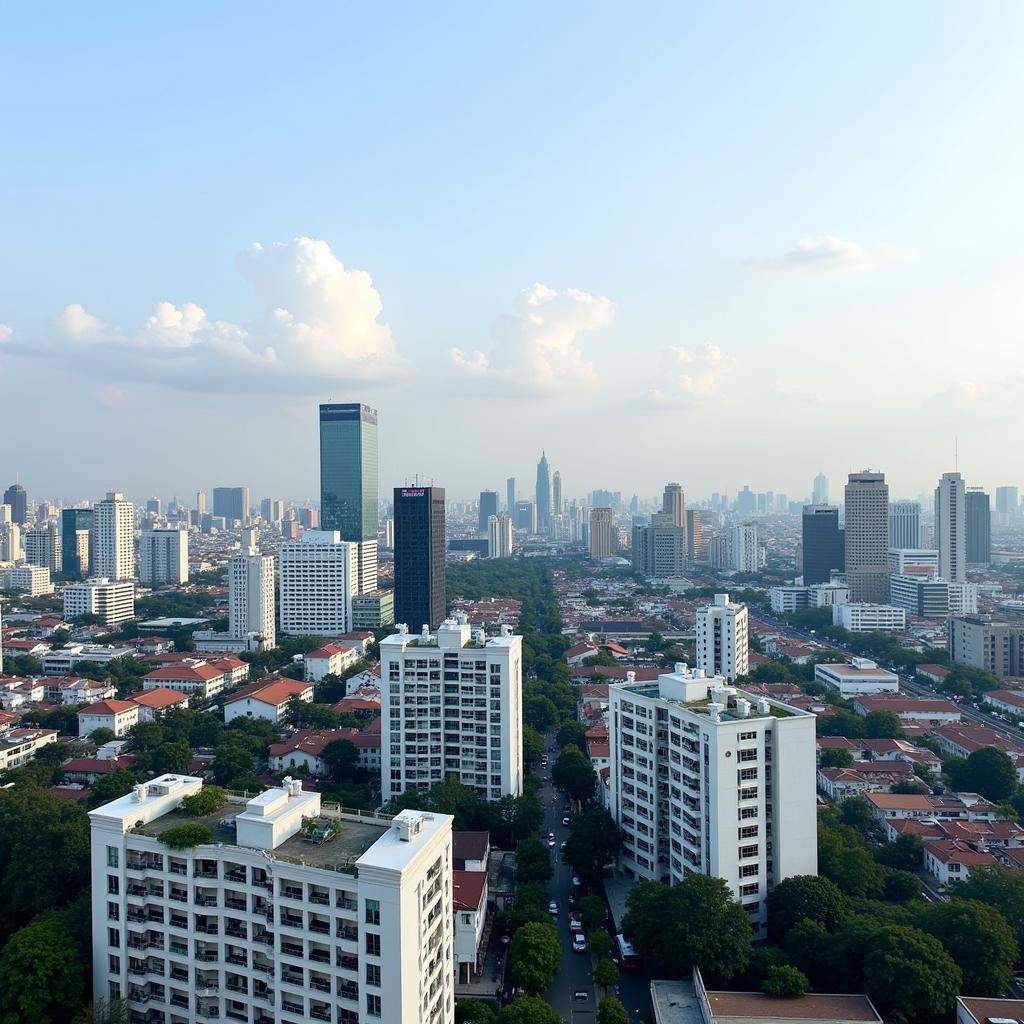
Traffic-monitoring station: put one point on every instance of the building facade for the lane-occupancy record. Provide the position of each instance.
(981, 642)
(420, 597)
(905, 524)
(659, 551)
(865, 617)
(17, 498)
(231, 503)
(979, 527)
(251, 595)
(543, 494)
(721, 643)
(318, 577)
(112, 601)
(499, 537)
(43, 547)
(744, 554)
(76, 539)
(951, 527)
(866, 537)
(486, 507)
(602, 533)
(114, 521)
(822, 543)
(163, 556)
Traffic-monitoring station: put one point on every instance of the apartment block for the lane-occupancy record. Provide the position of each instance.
(707, 778)
(292, 912)
(163, 556)
(452, 704)
(113, 601)
(722, 640)
(864, 617)
(31, 580)
(981, 642)
(318, 577)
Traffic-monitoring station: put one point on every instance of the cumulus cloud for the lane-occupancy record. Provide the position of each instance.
(536, 348)
(690, 377)
(5, 332)
(320, 322)
(828, 254)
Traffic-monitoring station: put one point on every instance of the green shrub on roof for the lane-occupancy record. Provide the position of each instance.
(182, 837)
(208, 800)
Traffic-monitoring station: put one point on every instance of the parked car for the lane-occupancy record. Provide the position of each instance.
(565, 820)
(579, 943)
(553, 908)
(575, 923)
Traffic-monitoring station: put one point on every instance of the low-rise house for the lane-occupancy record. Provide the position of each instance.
(304, 748)
(882, 750)
(34, 648)
(992, 835)
(331, 659)
(599, 747)
(1008, 702)
(73, 690)
(964, 739)
(863, 777)
(196, 677)
(470, 850)
(17, 746)
(365, 704)
(117, 715)
(16, 692)
(89, 769)
(966, 806)
(949, 860)
(931, 711)
(267, 699)
(469, 901)
(157, 702)
(976, 1010)
(933, 673)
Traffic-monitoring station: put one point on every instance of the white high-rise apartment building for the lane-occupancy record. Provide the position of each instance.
(452, 704)
(905, 524)
(743, 552)
(318, 578)
(42, 547)
(10, 542)
(112, 600)
(367, 571)
(251, 593)
(499, 536)
(722, 639)
(866, 537)
(114, 524)
(602, 533)
(163, 556)
(706, 778)
(291, 913)
(951, 527)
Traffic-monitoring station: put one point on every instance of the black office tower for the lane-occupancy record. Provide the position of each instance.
(16, 497)
(76, 541)
(488, 508)
(979, 527)
(419, 557)
(823, 543)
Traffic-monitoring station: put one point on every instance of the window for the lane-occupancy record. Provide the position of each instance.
(749, 870)
(748, 851)
(748, 812)
(113, 884)
(373, 911)
(113, 912)
(748, 793)
(373, 974)
(372, 944)
(748, 832)
(114, 938)
(372, 1005)
(115, 964)
(750, 890)
(115, 990)
(112, 856)
(748, 736)
(750, 754)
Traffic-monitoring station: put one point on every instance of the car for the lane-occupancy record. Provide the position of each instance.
(565, 821)
(575, 923)
(579, 943)
(553, 908)
(581, 995)
(561, 849)
(551, 844)
(577, 881)
(551, 835)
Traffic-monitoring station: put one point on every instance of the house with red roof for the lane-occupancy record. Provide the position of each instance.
(20, 745)
(950, 860)
(89, 769)
(1009, 702)
(964, 739)
(267, 698)
(155, 703)
(863, 777)
(469, 902)
(579, 654)
(925, 711)
(117, 715)
(331, 659)
(194, 676)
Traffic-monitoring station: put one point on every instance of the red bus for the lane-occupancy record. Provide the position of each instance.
(629, 959)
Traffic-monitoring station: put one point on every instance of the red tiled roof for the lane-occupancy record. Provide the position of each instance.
(954, 851)
(468, 889)
(274, 693)
(328, 650)
(159, 698)
(470, 845)
(192, 673)
(109, 707)
(69, 792)
(95, 766)
(354, 705)
(311, 741)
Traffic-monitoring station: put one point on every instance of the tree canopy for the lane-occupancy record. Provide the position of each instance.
(534, 956)
(574, 775)
(811, 897)
(594, 842)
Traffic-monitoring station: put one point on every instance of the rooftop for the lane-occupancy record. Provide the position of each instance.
(983, 1010)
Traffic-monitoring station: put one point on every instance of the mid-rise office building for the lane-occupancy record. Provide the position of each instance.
(373, 610)
(931, 597)
(982, 642)
(10, 542)
(822, 541)
(487, 507)
(114, 545)
(251, 594)
(452, 704)
(112, 601)
(499, 537)
(348, 481)
(864, 617)
(979, 527)
(659, 551)
(420, 597)
(744, 551)
(163, 556)
(526, 516)
(76, 540)
(543, 494)
(707, 778)
(272, 510)
(694, 534)
(291, 912)
(951, 527)
(905, 524)
(43, 547)
(866, 537)
(201, 503)
(31, 580)
(232, 503)
(722, 639)
(318, 578)
(602, 533)
(913, 561)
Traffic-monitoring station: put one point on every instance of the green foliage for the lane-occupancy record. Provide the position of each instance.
(533, 746)
(594, 841)
(988, 771)
(883, 725)
(533, 862)
(605, 974)
(534, 956)
(475, 1010)
(842, 723)
(304, 715)
(207, 801)
(102, 735)
(118, 783)
(844, 857)
(905, 786)
(174, 758)
(611, 1011)
(694, 923)
(592, 911)
(785, 981)
(103, 1012)
(836, 757)
(902, 886)
(978, 938)
(540, 712)
(600, 944)
(999, 887)
(574, 775)
(341, 759)
(800, 897)
(184, 837)
(145, 736)
(528, 1010)
(573, 733)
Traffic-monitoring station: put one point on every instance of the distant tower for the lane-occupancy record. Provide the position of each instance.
(819, 493)
(510, 495)
(543, 494)
(951, 527)
(905, 524)
(114, 522)
(979, 527)
(866, 537)
(16, 497)
(419, 557)
(556, 493)
(487, 507)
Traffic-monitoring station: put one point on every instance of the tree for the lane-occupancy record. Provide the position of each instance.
(101, 736)
(600, 944)
(533, 862)
(883, 725)
(174, 758)
(574, 775)
(304, 715)
(184, 837)
(534, 956)
(594, 841)
(811, 897)
(836, 757)
(147, 736)
(998, 887)
(118, 783)
(908, 974)
(540, 712)
(528, 1010)
(573, 734)
(207, 801)
(231, 762)
(905, 853)
(592, 911)
(990, 772)
(842, 723)
(905, 786)
(341, 759)
(978, 938)
(857, 813)
(785, 982)
(605, 974)
(693, 924)
(902, 886)
(533, 745)
(103, 1012)
(42, 973)
(611, 1011)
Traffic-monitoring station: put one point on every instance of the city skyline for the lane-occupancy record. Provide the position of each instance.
(221, 308)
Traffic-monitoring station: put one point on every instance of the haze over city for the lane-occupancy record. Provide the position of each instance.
(746, 243)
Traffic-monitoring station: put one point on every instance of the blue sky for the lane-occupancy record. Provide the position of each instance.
(727, 245)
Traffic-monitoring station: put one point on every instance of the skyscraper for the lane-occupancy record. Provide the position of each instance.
(16, 497)
(317, 584)
(114, 522)
(822, 543)
(979, 527)
(866, 537)
(232, 503)
(348, 481)
(543, 494)
(499, 537)
(510, 495)
(419, 557)
(951, 527)
(201, 502)
(525, 517)
(163, 556)
(43, 547)
(488, 507)
(744, 550)
(1007, 505)
(674, 503)
(76, 541)
(251, 593)
(721, 642)
(694, 534)
(155, 505)
(819, 493)
(659, 550)
(905, 524)
(556, 493)
(602, 533)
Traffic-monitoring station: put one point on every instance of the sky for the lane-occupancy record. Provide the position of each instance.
(720, 244)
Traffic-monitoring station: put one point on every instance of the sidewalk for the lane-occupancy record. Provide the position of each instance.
(617, 888)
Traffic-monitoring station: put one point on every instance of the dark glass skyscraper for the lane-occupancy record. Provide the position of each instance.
(822, 543)
(543, 494)
(231, 503)
(979, 527)
(16, 497)
(76, 541)
(348, 470)
(488, 508)
(419, 557)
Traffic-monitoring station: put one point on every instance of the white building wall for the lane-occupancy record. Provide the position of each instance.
(163, 556)
(114, 523)
(251, 596)
(722, 644)
(318, 576)
(864, 618)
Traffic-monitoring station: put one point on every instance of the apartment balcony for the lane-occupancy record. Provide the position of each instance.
(237, 985)
(235, 874)
(177, 999)
(238, 959)
(320, 984)
(320, 1012)
(292, 949)
(234, 1014)
(263, 966)
(322, 899)
(179, 974)
(235, 902)
(290, 1006)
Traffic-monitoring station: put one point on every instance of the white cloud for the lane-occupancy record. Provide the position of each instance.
(690, 377)
(536, 348)
(320, 322)
(827, 254)
(5, 332)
